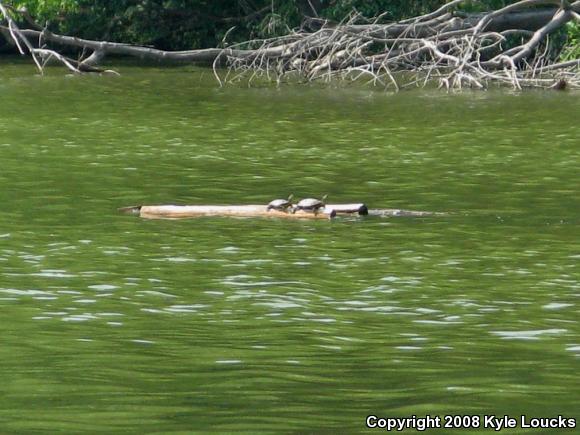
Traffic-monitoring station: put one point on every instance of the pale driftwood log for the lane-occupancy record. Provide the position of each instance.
(192, 211)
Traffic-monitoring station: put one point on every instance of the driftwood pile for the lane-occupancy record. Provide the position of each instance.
(510, 46)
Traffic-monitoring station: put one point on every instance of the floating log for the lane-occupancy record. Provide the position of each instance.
(328, 212)
(190, 211)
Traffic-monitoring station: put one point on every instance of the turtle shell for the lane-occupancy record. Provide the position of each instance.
(309, 203)
(279, 203)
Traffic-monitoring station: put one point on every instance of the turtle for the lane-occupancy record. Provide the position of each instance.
(311, 204)
(280, 204)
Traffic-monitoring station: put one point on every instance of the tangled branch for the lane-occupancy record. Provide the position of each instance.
(509, 46)
(441, 47)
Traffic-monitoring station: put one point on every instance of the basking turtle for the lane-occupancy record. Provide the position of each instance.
(311, 204)
(280, 204)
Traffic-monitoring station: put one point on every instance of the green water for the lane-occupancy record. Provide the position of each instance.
(111, 323)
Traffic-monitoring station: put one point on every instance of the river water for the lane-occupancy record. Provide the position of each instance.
(111, 323)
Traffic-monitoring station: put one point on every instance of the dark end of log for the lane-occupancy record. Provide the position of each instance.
(358, 208)
(135, 209)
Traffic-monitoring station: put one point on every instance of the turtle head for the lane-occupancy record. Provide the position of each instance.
(323, 199)
(290, 197)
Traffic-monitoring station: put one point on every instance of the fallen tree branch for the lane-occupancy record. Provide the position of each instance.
(444, 47)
